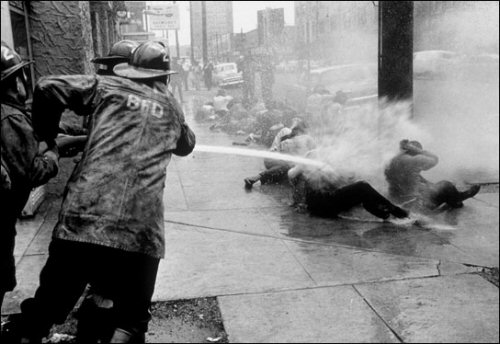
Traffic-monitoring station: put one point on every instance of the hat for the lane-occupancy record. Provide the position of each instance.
(149, 60)
(11, 62)
(120, 52)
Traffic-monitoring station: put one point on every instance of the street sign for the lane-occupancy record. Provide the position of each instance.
(164, 17)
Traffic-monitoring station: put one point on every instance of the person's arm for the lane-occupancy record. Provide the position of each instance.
(421, 162)
(187, 140)
(6, 184)
(36, 167)
(419, 158)
(53, 95)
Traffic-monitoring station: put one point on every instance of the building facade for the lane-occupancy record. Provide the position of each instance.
(60, 37)
(219, 19)
(270, 25)
(341, 31)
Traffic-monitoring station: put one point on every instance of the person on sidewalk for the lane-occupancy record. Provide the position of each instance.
(293, 141)
(407, 186)
(23, 167)
(176, 79)
(208, 70)
(186, 69)
(110, 230)
(326, 194)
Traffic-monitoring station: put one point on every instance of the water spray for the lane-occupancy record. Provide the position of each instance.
(259, 154)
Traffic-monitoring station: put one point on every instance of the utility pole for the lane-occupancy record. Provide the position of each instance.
(177, 41)
(191, 31)
(217, 44)
(204, 30)
(395, 64)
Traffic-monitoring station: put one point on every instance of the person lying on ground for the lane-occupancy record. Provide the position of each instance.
(294, 141)
(221, 102)
(325, 194)
(407, 186)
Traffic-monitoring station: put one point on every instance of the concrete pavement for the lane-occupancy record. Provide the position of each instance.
(282, 276)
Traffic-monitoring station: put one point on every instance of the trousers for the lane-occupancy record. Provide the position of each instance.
(127, 278)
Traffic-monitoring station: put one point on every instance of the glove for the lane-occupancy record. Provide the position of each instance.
(70, 146)
(6, 183)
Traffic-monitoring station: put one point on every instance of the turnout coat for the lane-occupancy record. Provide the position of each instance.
(114, 197)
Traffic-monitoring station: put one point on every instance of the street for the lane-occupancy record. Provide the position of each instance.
(283, 276)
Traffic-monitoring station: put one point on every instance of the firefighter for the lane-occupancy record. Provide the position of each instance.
(119, 53)
(110, 230)
(23, 167)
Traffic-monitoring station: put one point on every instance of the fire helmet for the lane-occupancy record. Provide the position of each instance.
(119, 52)
(149, 60)
(11, 62)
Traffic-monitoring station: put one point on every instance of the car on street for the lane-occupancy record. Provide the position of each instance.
(358, 81)
(226, 74)
(436, 64)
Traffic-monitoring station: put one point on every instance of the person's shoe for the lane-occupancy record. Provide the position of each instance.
(249, 182)
(471, 192)
(400, 213)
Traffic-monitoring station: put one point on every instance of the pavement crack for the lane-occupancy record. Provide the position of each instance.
(300, 263)
(378, 315)
(275, 237)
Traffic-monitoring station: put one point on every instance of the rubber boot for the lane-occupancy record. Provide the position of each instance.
(399, 213)
(95, 323)
(123, 336)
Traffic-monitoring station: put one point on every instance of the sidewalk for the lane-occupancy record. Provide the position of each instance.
(281, 276)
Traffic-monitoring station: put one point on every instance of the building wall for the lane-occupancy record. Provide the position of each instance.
(341, 31)
(463, 26)
(219, 27)
(61, 37)
(270, 24)
(6, 27)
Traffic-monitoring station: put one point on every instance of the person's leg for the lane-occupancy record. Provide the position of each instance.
(445, 192)
(272, 174)
(62, 281)
(7, 261)
(131, 276)
(362, 193)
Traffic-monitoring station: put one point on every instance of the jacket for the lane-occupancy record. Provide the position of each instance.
(114, 197)
(21, 161)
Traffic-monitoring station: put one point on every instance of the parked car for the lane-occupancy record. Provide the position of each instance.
(436, 63)
(357, 81)
(226, 74)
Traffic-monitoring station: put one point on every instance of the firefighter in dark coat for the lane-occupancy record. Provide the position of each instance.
(110, 230)
(23, 167)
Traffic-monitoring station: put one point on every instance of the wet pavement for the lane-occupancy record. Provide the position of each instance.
(284, 276)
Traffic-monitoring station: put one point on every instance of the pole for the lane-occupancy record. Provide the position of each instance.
(217, 44)
(191, 31)
(204, 30)
(395, 78)
(177, 41)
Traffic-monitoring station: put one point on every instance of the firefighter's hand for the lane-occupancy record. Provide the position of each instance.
(5, 181)
(69, 146)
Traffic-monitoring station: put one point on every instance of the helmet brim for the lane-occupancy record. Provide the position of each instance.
(8, 72)
(131, 72)
(108, 60)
